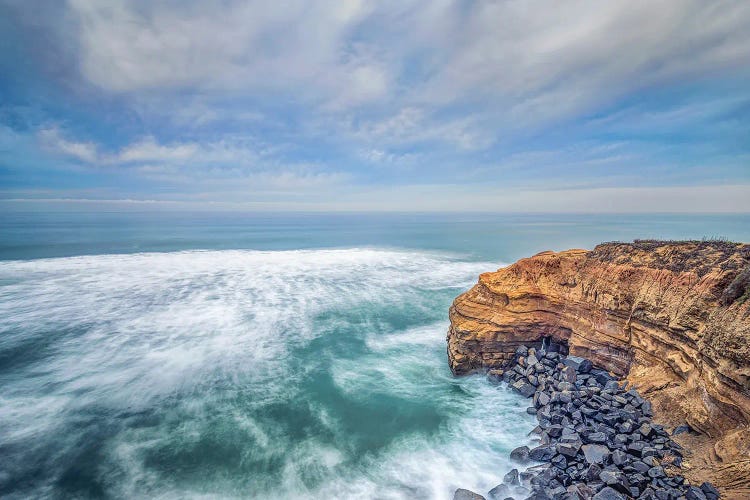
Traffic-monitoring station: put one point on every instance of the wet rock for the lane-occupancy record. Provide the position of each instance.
(511, 478)
(542, 453)
(596, 437)
(585, 366)
(656, 472)
(499, 492)
(595, 453)
(520, 454)
(619, 458)
(568, 374)
(542, 399)
(523, 387)
(608, 493)
(569, 449)
(462, 494)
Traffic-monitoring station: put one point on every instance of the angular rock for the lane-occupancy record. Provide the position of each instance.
(656, 472)
(511, 478)
(619, 458)
(520, 454)
(542, 453)
(568, 374)
(595, 453)
(585, 366)
(531, 360)
(709, 490)
(462, 494)
(596, 437)
(524, 388)
(499, 492)
(569, 449)
(608, 493)
(695, 493)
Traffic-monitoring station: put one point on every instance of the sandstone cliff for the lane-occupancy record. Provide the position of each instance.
(671, 317)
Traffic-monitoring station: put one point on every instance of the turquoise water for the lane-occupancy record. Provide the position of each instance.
(238, 356)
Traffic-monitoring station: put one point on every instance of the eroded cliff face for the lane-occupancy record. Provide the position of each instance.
(672, 318)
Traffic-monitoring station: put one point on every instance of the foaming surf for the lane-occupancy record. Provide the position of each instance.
(243, 374)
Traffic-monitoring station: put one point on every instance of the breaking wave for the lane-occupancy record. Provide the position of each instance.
(243, 374)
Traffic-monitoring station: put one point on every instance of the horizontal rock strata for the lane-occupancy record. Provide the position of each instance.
(672, 318)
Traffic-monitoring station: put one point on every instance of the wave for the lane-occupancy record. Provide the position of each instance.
(240, 374)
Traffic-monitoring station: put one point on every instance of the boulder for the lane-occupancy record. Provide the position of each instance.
(542, 453)
(499, 492)
(524, 388)
(695, 493)
(511, 478)
(568, 374)
(520, 454)
(709, 490)
(608, 493)
(596, 437)
(569, 449)
(462, 494)
(585, 366)
(595, 453)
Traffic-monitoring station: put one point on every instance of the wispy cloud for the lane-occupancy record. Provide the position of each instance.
(294, 97)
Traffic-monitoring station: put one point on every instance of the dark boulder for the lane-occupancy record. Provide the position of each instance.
(499, 492)
(523, 387)
(569, 449)
(709, 490)
(511, 478)
(462, 494)
(520, 454)
(609, 493)
(595, 453)
(542, 453)
(695, 493)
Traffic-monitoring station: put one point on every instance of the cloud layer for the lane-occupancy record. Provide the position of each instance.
(193, 99)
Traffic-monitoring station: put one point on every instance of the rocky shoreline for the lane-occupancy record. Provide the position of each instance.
(672, 318)
(597, 437)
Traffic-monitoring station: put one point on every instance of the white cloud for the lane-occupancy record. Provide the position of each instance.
(148, 154)
(296, 47)
(148, 150)
(493, 67)
(413, 125)
(82, 151)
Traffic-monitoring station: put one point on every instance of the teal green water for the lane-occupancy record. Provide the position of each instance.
(218, 356)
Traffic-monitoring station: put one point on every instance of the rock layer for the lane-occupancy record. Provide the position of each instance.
(673, 318)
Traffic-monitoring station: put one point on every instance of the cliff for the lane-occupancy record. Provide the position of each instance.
(673, 318)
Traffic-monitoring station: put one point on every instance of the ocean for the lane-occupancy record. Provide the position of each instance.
(224, 355)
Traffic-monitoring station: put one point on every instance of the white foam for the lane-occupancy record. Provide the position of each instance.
(131, 331)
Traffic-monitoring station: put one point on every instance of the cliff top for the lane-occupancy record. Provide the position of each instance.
(730, 259)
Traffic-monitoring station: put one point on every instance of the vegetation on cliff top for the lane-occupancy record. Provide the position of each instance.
(699, 256)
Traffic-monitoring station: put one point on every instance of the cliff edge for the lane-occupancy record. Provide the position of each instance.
(673, 318)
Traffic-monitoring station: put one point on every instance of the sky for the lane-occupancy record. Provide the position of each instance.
(507, 105)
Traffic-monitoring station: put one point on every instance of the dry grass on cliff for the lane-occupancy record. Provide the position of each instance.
(699, 256)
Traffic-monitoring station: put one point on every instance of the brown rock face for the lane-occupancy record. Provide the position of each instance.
(671, 317)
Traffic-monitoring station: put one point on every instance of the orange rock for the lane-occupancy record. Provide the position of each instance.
(671, 317)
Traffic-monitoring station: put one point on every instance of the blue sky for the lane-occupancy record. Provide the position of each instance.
(631, 106)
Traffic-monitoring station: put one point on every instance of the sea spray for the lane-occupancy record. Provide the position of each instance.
(243, 374)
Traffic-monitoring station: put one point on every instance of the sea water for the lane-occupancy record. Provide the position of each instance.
(260, 356)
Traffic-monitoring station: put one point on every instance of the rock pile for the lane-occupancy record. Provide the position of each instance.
(597, 439)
